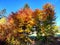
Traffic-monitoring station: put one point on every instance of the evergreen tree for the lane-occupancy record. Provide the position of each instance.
(45, 21)
(26, 6)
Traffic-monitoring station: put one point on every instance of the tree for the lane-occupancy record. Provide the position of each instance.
(22, 25)
(26, 6)
(50, 22)
(19, 25)
(2, 13)
(45, 22)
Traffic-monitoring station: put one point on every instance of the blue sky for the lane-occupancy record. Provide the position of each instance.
(15, 5)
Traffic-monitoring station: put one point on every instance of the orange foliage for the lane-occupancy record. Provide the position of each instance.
(41, 14)
(24, 18)
(25, 14)
(49, 9)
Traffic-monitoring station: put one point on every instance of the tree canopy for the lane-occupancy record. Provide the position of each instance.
(19, 25)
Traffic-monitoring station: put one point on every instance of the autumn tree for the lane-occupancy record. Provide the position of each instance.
(20, 24)
(23, 22)
(50, 22)
(45, 22)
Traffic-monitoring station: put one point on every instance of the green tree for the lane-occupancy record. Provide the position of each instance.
(2, 13)
(26, 6)
(45, 22)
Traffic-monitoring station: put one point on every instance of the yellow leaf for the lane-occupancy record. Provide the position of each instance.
(20, 30)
